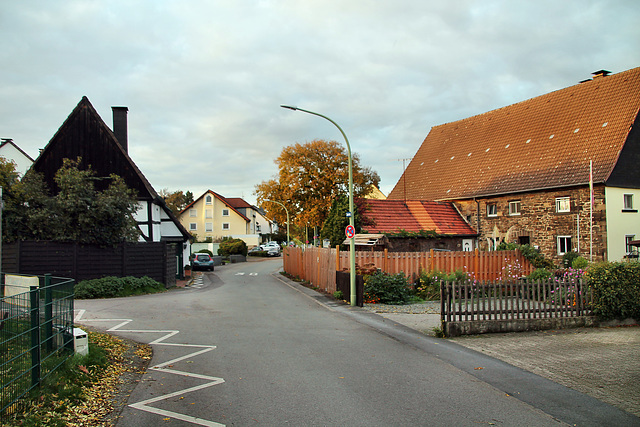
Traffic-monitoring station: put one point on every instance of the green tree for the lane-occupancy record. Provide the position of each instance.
(337, 221)
(78, 212)
(310, 177)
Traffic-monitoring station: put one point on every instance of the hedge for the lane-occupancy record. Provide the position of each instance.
(615, 287)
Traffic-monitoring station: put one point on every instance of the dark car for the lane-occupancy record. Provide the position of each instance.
(202, 262)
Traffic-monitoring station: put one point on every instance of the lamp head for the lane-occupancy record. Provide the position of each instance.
(289, 107)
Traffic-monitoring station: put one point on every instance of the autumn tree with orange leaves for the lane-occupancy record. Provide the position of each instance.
(310, 177)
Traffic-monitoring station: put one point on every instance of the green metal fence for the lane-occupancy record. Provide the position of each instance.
(36, 333)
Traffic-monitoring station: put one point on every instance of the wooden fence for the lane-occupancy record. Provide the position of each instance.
(156, 260)
(473, 307)
(318, 265)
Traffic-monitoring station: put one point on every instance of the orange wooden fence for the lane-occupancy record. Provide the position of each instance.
(318, 265)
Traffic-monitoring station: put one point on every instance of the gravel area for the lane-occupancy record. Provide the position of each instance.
(428, 307)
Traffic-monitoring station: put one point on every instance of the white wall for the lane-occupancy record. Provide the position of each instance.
(620, 223)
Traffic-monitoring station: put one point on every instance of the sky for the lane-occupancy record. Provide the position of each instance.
(204, 80)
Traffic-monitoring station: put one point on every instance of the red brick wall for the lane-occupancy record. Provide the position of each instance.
(540, 222)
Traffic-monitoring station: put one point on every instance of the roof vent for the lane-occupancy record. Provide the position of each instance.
(600, 73)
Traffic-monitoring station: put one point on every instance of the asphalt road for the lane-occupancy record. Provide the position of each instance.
(244, 347)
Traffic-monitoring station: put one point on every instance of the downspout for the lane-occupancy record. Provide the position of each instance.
(477, 222)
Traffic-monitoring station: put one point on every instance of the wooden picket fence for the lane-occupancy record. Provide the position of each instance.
(318, 265)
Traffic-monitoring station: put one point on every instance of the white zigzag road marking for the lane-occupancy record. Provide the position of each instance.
(144, 405)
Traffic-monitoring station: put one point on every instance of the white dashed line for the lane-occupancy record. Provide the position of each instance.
(143, 405)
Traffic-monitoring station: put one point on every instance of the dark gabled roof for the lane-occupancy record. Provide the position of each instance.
(392, 216)
(219, 197)
(542, 143)
(238, 202)
(84, 134)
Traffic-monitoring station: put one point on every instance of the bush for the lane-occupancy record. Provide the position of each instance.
(580, 263)
(259, 253)
(386, 288)
(532, 254)
(540, 274)
(428, 287)
(111, 287)
(567, 259)
(615, 288)
(230, 246)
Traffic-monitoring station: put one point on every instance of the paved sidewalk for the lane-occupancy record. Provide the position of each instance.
(601, 362)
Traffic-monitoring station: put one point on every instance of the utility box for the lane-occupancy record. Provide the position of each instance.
(80, 342)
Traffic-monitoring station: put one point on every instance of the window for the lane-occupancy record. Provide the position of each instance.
(208, 227)
(563, 204)
(208, 200)
(193, 226)
(627, 240)
(564, 244)
(225, 212)
(492, 209)
(514, 207)
(208, 213)
(193, 213)
(226, 226)
(628, 202)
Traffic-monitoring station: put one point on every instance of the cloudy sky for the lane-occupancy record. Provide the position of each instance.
(204, 80)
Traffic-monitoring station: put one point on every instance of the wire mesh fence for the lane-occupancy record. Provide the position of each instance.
(36, 333)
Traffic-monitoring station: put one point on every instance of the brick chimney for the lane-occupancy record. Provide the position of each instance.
(120, 126)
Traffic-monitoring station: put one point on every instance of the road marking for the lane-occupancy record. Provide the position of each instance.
(144, 405)
(240, 274)
(253, 274)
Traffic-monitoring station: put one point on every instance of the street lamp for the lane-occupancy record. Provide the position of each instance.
(352, 243)
(285, 209)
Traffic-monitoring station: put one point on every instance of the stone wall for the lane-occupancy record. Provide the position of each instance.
(538, 222)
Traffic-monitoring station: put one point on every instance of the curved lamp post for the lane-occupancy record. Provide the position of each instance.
(352, 245)
(285, 209)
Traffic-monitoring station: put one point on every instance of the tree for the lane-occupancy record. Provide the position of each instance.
(177, 200)
(337, 220)
(77, 213)
(310, 177)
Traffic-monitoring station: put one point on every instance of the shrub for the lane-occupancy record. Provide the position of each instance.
(230, 246)
(338, 295)
(615, 288)
(567, 259)
(386, 288)
(428, 287)
(111, 287)
(532, 254)
(540, 274)
(580, 263)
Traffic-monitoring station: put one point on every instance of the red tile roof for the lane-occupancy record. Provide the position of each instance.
(544, 142)
(237, 202)
(391, 216)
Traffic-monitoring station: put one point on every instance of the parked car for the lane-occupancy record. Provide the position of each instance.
(272, 248)
(202, 262)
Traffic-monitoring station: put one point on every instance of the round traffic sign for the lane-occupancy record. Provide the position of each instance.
(350, 231)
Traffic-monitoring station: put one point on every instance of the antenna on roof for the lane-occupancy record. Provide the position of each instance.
(404, 178)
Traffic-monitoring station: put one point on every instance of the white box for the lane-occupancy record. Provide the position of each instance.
(80, 342)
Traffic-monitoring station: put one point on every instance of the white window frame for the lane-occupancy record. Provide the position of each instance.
(193, 213)
(563, 204)
(512, 207)
(225, 212)
(208, 227)
(495, 210)
(208, 199)
(193, 226)
(627, 202)
(208, 213)
(226, 226)
(564, 239)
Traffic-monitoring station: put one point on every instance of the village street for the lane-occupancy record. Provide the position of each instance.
(245, 346)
